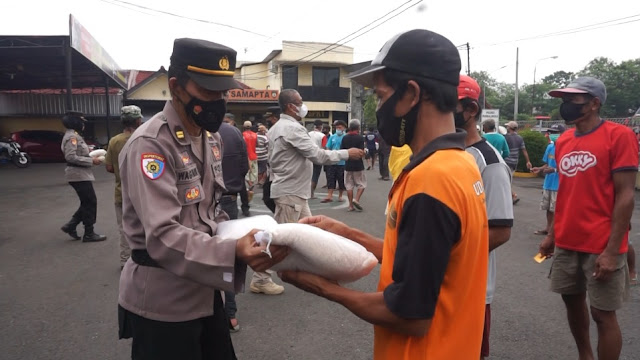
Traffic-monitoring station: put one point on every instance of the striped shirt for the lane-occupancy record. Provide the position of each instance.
(262, 148)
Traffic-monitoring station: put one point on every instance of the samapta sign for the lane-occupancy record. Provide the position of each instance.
(253, 95)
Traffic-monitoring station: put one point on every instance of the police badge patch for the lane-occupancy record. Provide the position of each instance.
(216, 152)
(152, 165)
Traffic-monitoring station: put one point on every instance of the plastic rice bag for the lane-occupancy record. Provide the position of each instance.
(312, 249)
(98, 153)
(319, 252)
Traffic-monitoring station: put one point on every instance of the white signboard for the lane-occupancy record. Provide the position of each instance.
(493, 114)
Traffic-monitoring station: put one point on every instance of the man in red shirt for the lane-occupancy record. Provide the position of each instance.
(597, 164)
(251, 139)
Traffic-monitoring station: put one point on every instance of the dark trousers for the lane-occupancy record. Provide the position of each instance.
(244, 198)
(199, 339)
(336, 175)
(88, 209)
(383, 163)
(266, 197)
(229, 204)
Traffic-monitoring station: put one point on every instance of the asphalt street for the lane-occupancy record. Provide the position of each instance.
(58, 297)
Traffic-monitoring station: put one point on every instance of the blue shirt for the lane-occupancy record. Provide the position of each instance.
(551, 181)
(335, 143)
(499, 142)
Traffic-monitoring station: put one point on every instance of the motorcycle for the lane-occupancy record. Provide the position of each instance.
(10, 150)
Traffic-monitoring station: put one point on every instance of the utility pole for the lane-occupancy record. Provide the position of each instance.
(515, 103)
(468, 61)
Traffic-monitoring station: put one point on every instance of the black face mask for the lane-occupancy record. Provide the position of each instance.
(571, 112)
(394, 130)
(206, 114)
(459, 119)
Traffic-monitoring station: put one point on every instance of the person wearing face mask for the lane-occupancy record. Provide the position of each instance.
(597, 164)
(79, 175)
(430, 299)
(335, 176)
(291, 157)
(496, 178)
(170, 299)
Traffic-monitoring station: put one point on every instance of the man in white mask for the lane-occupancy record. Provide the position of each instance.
(292, 154)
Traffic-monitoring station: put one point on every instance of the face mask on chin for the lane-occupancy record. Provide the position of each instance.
(206, 114)
(396, 130)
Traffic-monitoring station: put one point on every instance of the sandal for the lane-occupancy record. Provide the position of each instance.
(324, 201)
(351, 209)
(357, 205)
(541, 232)
(634, 280)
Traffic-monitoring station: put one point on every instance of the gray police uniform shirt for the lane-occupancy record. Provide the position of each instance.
(171, 209)
(292, 154)
(76, 154)
(496, 178)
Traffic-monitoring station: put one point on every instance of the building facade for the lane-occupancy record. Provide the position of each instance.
(317, 70)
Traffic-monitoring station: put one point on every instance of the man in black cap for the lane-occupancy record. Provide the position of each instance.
(431, 298)
(172, 184)
(597, 166)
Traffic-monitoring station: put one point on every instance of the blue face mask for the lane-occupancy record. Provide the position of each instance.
(339, 132)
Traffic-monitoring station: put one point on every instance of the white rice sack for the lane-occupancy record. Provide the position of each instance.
(101, 158)
(319, 252)
(235, 229)
(98, 153)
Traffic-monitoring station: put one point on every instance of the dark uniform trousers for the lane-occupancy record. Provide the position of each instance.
(206, 338)
(88, 209)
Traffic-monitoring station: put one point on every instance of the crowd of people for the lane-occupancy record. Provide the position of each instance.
(179, 174)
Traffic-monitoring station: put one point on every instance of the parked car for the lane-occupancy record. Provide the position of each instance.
(43, 145)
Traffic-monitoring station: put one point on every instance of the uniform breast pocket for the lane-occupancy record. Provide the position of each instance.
(190, 193)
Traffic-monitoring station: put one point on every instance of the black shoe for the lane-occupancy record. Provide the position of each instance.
(90, 236)
(246, 212)
(70, 228)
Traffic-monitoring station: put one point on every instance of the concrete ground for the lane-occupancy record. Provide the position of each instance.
(58, 297)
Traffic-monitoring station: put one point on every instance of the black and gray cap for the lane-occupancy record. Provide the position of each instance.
(418, 52)
(583, 85)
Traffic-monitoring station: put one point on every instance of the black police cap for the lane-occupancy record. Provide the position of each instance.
(210, 65)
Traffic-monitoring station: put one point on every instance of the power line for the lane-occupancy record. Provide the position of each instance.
(186, 17)
(337, 43)
(571, 31)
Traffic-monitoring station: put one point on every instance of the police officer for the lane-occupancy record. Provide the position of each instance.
(80, 176)
(172, 184)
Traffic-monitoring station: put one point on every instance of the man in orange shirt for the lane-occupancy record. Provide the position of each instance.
(431, 294)
(251, 139)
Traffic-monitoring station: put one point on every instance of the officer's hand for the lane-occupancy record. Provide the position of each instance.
(355, 153)
(96, 161)
(250, 252)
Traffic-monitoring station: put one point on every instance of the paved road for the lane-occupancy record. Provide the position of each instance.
(58, 297)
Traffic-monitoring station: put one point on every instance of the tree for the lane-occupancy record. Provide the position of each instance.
(370, 106)
(621, 80)
(559, 79)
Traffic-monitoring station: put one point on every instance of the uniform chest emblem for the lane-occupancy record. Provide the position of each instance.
(192, 194)
(216, 152)
(74, 141)
(576, 161)
(152, 165)
(186, 159)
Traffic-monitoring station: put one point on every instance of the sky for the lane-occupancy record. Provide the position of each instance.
(142, 39)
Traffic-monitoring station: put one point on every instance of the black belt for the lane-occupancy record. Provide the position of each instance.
(75, 165)
(142, 258)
